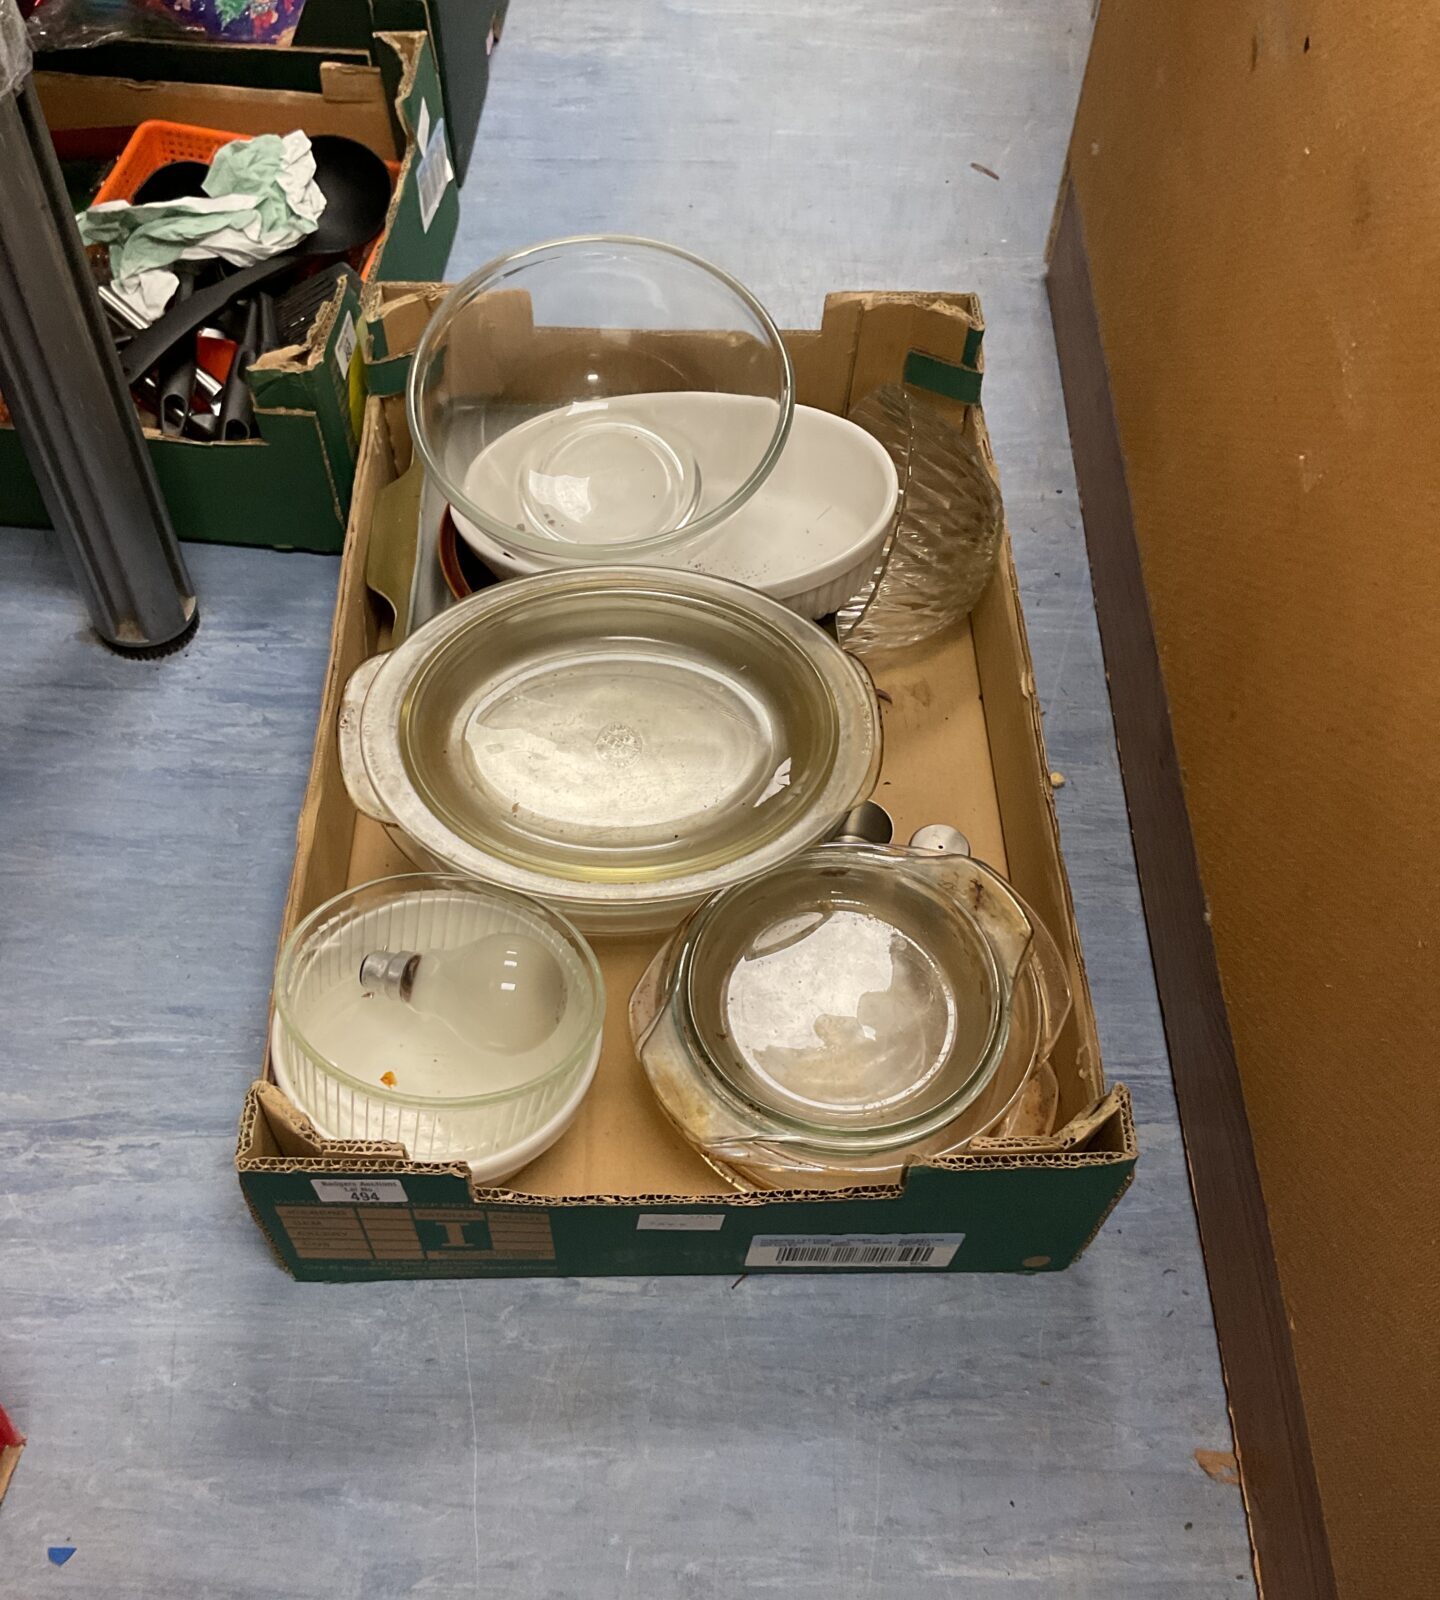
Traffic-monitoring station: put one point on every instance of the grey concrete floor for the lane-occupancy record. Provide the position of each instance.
(202, 1427)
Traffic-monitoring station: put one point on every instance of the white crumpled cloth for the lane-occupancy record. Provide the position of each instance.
(260, 198)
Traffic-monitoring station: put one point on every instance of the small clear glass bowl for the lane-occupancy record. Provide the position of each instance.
(603, 397)
(856, 1008)
(445, 1104)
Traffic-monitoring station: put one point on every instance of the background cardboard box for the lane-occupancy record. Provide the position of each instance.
(621, 1192)
(333, 34)
(290, 488)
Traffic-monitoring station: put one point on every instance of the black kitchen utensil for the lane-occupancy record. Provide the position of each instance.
(175, 374)
(356, 186)
(176, 180)
(237, 404)
(297, 308)
(269, 323)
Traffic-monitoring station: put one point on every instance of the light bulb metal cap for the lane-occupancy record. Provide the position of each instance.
(390, 972)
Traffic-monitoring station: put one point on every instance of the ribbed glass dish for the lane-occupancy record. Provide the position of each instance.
(941, 554)
(332, 1044)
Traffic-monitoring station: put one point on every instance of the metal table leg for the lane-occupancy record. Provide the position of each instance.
(75, 418)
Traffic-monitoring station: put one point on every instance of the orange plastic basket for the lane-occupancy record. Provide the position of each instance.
(151, 146)
(155, 143)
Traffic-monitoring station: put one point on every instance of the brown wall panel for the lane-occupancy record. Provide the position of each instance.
(1259, 188)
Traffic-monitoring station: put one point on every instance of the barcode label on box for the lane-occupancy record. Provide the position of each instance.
(680, 1222)
(854, 1250)
(361, 1191)
(435, 173)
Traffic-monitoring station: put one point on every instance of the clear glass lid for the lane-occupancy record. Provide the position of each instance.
(852, 1009)
(851, 1001)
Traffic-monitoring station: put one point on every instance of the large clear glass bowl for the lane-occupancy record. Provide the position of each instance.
(600, 399)
(619, 742)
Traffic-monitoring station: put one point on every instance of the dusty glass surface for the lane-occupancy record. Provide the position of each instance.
(857, 1008)
(942, 551)
(621, 741)
(847, 1000)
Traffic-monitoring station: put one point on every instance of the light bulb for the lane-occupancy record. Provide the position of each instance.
(505, 992)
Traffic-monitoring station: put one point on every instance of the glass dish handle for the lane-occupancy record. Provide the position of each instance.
(1052, 982)
(352, 761)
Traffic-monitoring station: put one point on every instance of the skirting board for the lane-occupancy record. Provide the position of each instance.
(1287, 1528)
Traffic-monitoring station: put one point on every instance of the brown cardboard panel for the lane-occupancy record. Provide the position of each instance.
(824, 358)
(621, 1143)
(9, 1460)
(1256, 186)
(353, 102)
(938, 766)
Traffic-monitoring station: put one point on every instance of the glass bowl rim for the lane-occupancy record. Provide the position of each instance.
(603, 554)
(771, 1121)
(295, 944)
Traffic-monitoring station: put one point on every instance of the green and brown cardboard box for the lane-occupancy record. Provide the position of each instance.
(332, 34)
(621, 1192)
(291, 488)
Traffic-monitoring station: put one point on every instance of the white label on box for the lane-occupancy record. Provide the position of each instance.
(680, 1222)
(435, 173)
(361, 1191)
(854, 1250)
(345, 346)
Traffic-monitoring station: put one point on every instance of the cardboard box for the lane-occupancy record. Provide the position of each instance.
(333, 34)
(289, 489)
(621, 1192)
(464, 34)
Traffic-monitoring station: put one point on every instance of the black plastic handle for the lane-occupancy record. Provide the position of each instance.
(152, 343)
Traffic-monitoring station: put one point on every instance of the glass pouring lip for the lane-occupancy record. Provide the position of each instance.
(581, 554)
(785, 1126)
(416, 882)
